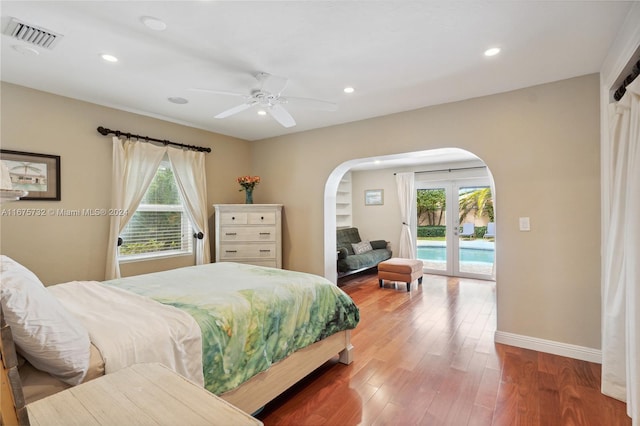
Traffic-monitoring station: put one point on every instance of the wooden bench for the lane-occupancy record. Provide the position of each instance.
(398, 269)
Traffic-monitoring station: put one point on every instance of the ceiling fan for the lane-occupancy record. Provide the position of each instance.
(268, 96)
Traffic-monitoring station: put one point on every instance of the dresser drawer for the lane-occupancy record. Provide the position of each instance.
(231, 218)
(244, 251)
(262, 218)
(247, 233)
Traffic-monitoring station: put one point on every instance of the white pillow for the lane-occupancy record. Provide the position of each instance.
(45, 333)
(361, 247)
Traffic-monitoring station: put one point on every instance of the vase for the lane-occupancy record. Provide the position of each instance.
(248, 195)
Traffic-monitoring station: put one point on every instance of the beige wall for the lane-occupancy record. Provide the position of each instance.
(542, 146)
(60, 249)
(377, 222)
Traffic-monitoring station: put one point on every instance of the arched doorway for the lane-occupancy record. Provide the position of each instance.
(415, 161)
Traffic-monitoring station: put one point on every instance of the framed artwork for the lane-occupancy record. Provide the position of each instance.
(39, 174)
(374, 197)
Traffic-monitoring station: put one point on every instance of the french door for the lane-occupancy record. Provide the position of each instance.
(453, 217)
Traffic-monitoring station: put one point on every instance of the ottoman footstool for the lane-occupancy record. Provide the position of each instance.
(398, 269)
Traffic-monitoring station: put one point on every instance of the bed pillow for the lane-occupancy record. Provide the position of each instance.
(361, 247)
(45, 333)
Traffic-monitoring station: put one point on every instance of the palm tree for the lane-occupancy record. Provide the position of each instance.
(478, 199)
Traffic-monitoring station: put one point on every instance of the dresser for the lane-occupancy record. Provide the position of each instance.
(249, 233)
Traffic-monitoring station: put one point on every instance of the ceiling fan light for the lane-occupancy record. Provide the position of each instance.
(349, 89)
(262, 112)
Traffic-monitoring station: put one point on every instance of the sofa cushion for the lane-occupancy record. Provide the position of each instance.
(361, 247)
(347, 236)
(365, 260)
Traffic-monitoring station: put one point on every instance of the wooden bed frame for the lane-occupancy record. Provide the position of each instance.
(266, 386)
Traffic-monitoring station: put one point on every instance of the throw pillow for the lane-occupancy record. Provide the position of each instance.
(379, 244)
(342, 253)
(45, 333)
(361, 247)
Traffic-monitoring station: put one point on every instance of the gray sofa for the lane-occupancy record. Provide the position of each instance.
(349, 262)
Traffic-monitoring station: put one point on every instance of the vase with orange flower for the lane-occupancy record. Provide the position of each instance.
(248, 183)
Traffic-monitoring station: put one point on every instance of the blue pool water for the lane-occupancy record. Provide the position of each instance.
(466, 254)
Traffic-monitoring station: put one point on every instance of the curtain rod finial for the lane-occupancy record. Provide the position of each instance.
(103, 131)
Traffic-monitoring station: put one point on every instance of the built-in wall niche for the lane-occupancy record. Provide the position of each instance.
(344, 201)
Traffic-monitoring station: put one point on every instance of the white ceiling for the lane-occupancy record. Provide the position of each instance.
(398, 55)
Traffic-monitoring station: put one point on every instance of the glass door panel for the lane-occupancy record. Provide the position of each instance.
(432, 229)
(475, 248)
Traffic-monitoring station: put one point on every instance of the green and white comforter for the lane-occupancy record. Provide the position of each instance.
(250, 316)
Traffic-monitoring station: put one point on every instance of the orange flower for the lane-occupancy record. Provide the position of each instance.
(248, 182)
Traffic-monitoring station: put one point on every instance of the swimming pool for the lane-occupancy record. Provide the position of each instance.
(467, 254)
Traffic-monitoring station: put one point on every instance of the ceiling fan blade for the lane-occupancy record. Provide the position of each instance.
(311, 103)
(272, 83)
(235, 110)
(281, 115)
(220, 92)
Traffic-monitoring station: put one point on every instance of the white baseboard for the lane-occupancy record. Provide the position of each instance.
(549, 346)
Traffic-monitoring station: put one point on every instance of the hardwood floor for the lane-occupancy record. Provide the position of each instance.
(427, 357)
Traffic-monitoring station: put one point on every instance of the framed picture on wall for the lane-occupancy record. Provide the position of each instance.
(374, 197)
(39, 174)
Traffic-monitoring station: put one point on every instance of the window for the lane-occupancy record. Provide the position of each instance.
(160, 226)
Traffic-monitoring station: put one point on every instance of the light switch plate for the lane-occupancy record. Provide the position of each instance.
(525, 225)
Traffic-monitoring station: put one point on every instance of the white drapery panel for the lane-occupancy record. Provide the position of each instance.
(134, 166)
(406, 186)
(188, 168)
(621, 256)
(492, 185)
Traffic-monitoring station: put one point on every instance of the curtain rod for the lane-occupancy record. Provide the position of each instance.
(118, 133)
(450, 170)
(627, 81)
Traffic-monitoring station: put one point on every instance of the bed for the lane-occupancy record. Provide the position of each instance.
(244, 332)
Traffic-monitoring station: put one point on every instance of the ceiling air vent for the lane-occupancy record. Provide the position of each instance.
(31, 34)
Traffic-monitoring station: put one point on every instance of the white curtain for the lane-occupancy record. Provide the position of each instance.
(134, 166)
(188, 168)
(407, 198)
(621, 255)
(492, 184)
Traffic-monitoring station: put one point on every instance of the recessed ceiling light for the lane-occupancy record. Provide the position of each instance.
(25, 50)
(109, 58)
(349, 89)
(262, 112)
(178, 100)
(492, 52)
(153, 23)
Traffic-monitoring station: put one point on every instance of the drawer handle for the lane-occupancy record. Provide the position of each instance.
(265, 251)
(265, 233)
(230, 233)
(231, 251)
(233, 218)
(261, 217)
